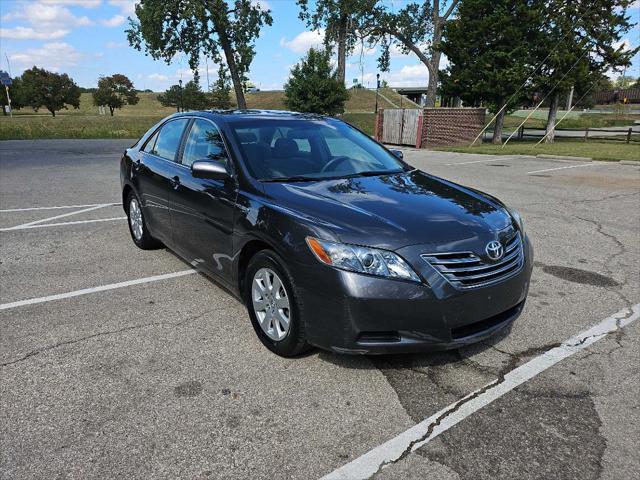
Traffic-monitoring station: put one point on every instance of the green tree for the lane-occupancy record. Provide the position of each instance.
(488, 45)
(171, 97)
(314, 87)
(50, 90)
(115, 91)
(576, 45)
(416, 28)
(193, 97)
(220, 90)
(189, 97)
(341, 20)
(201, 27)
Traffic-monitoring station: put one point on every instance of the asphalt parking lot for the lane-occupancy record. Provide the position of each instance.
(107, 371)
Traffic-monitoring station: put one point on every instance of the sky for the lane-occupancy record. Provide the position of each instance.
(86, 39)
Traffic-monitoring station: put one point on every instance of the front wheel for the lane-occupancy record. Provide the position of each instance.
(273, 306)
(137, 225)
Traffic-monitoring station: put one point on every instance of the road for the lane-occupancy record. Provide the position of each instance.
(109, 371)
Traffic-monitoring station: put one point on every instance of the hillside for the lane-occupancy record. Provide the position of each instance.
(359, 101)
(133, 120)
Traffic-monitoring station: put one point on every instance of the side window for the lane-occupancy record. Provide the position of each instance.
(169, 139)
(204, 142)
(149, 147)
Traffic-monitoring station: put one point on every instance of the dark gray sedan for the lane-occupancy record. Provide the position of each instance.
(329, 238)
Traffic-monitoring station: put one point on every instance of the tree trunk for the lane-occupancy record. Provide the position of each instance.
(434, 67)
(342, 47)
(432, 87)
(53, 112)
(551, 119)
(111, 109)
(497, 129)
(233, 68)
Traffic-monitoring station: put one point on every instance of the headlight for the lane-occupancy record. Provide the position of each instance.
(361, 259)
(518, 219)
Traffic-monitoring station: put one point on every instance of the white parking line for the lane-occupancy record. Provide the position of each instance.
(102, 288)
(62, 224)
(562, 168)
(43, 220)
(410, 440)
(478, 161)
(30, 209)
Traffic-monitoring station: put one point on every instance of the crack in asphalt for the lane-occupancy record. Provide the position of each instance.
(514, 359)
(100, 334)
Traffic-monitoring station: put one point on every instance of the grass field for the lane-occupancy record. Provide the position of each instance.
(133, 120)
(579, 120)
(598, 150)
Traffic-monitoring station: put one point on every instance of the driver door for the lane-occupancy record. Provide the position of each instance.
(202, 210)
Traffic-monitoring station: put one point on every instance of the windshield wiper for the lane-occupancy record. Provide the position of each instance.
(373, 173)
(295, 178)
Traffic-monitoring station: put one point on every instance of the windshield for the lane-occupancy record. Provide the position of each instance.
(281, 150)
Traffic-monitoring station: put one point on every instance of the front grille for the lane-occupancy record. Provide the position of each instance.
(467, 270)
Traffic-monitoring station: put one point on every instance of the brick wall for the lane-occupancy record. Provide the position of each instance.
(450, 126)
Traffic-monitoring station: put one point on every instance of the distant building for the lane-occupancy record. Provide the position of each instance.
(617, 95)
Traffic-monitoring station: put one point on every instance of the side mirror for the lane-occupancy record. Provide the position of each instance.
(397, 153)
(208, 169)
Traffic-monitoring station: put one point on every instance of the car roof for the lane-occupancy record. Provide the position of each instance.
(231, 116)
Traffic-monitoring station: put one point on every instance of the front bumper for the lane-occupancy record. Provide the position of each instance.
(347, 312)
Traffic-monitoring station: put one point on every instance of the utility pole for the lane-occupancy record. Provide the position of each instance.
(181, 105)
(377, 88)
(570, 99)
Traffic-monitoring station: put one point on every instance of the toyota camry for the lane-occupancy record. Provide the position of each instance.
(329, 238)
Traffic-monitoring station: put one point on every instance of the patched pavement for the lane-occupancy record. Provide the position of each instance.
(167, 380)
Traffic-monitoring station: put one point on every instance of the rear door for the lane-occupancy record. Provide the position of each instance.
(154, 170)
(202, 210)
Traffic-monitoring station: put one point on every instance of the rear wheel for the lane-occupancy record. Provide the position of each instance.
(137, 225)
(273, 305)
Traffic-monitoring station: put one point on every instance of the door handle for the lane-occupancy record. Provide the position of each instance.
(175, 181)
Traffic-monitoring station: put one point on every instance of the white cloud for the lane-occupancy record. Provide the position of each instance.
(263, 4)
(46, 21)
(407, 76)
(52, 56)
(157, 76)
(624, 43)
(127, 7)
(304, 41)
(78, 3)
(46, 16)
(114, 21)
(28, 33)
(115, 44)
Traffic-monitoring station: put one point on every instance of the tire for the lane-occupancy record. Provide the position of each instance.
(285, 344)
(138, 226)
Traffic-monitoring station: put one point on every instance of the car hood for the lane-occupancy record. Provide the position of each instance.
(397, 210)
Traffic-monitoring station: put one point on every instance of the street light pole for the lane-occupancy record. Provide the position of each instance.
(181, 105)
(377, 88)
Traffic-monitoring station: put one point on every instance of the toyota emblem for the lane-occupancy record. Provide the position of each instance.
(494, 250)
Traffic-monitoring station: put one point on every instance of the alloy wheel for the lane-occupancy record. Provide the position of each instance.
(135, 219)
(271, 304)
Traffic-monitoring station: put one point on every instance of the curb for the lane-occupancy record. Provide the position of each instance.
(635, 163)
(564, 157)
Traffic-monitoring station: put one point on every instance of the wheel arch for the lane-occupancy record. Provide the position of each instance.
(247, 252)
(125, 193)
